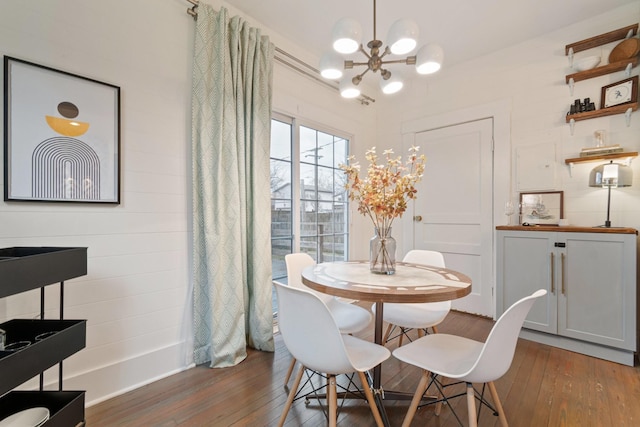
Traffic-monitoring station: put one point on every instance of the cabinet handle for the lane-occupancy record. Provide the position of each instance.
(553, 274)
(562, 273)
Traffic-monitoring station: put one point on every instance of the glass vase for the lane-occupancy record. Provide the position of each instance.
(382, 252)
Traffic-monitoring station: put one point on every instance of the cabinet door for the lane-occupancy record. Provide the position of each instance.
(596, 300)
(524, 266)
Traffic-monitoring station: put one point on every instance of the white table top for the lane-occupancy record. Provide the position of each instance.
(410, 283)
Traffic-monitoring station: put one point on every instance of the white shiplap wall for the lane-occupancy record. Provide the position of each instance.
(136, 293)
(531, 78)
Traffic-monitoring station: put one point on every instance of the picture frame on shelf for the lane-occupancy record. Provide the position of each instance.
(542, 208)
(619, 93)
(62, 136)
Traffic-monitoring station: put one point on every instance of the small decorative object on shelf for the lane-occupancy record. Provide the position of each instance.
(622, 92)
(382, 196)
(600, 137)
(581, 107)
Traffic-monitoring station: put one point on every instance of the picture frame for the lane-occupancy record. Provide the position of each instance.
(542, 208)
(622, 92)
(61, 136)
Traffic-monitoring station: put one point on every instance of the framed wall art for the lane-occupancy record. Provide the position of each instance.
(542, 208)
(622, 92)
(61, 136)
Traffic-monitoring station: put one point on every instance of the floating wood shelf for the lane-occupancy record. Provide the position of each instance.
(609, 111)
(601, 71)
(612, 156)
(601, 39)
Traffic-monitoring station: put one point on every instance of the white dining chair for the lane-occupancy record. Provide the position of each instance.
(420, 316)
(325, 349)
(350, 318)
(467, 360)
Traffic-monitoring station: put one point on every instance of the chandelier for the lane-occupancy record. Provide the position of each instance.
(402, 39)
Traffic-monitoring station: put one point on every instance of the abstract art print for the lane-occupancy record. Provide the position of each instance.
(61, 136)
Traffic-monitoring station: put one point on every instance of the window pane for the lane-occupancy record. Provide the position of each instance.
(280, 179)
(307, 145)
(339, 190)
(325, 183)
(308, 218)
(341, 151)
(326, 249)
(281, 220)
(280, 140)
(339, 218)
(309, 245)
(307, 181)
(325, 149)
(279, 248)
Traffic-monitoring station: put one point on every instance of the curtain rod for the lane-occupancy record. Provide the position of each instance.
(281, 56)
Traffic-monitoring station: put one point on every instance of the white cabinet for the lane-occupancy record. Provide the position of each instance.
(590, 278)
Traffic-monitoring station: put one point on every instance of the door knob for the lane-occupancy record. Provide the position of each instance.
(417, 218)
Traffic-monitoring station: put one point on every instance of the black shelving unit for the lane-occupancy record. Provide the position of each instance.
(23, 269)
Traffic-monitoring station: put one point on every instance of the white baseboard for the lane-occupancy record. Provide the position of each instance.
(113, 380)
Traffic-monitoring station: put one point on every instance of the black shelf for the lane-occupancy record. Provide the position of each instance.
(22, 365)
(66, 408)
(23, 269)
(26, 268)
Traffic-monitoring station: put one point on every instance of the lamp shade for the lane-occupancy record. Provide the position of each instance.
(403, 36)
(429, 59)
(347, 35)
(331, 66)
(391, 85)
(348, 89)
(611, 175)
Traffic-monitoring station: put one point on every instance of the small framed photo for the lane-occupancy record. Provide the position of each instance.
(61, 136)
(542, 208)
(622, 92)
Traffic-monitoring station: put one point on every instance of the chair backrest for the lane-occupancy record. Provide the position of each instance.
(295, 264)
(310, 332)
(424, 257)
(497, 353)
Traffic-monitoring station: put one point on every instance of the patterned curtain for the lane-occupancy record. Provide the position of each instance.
(232, 80)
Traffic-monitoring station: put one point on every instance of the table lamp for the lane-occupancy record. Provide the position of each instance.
(610, 175)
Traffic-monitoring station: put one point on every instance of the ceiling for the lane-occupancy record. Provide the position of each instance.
(464, 28)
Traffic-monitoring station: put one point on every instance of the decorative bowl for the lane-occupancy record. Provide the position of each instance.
(586, 63)
(626, 49)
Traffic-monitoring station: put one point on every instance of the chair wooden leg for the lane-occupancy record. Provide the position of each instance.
(370, 399)
(417, 397)
(497, 404)
(401, 336)
(443, 382)
(387, 333)
(292, 395)
(435, 329)
(289, 371)
(471, 406)
(421, 333)
(332, 400)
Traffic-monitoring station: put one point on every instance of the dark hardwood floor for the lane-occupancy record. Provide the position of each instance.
(545, 386)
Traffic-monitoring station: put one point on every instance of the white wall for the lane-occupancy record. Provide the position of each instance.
(136, 295)
(531, 78)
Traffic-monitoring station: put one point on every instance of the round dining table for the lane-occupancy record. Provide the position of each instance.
(411, 283)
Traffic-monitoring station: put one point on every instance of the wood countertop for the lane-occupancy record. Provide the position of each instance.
(568, 229)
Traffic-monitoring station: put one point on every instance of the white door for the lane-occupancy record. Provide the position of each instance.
(453, 213)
